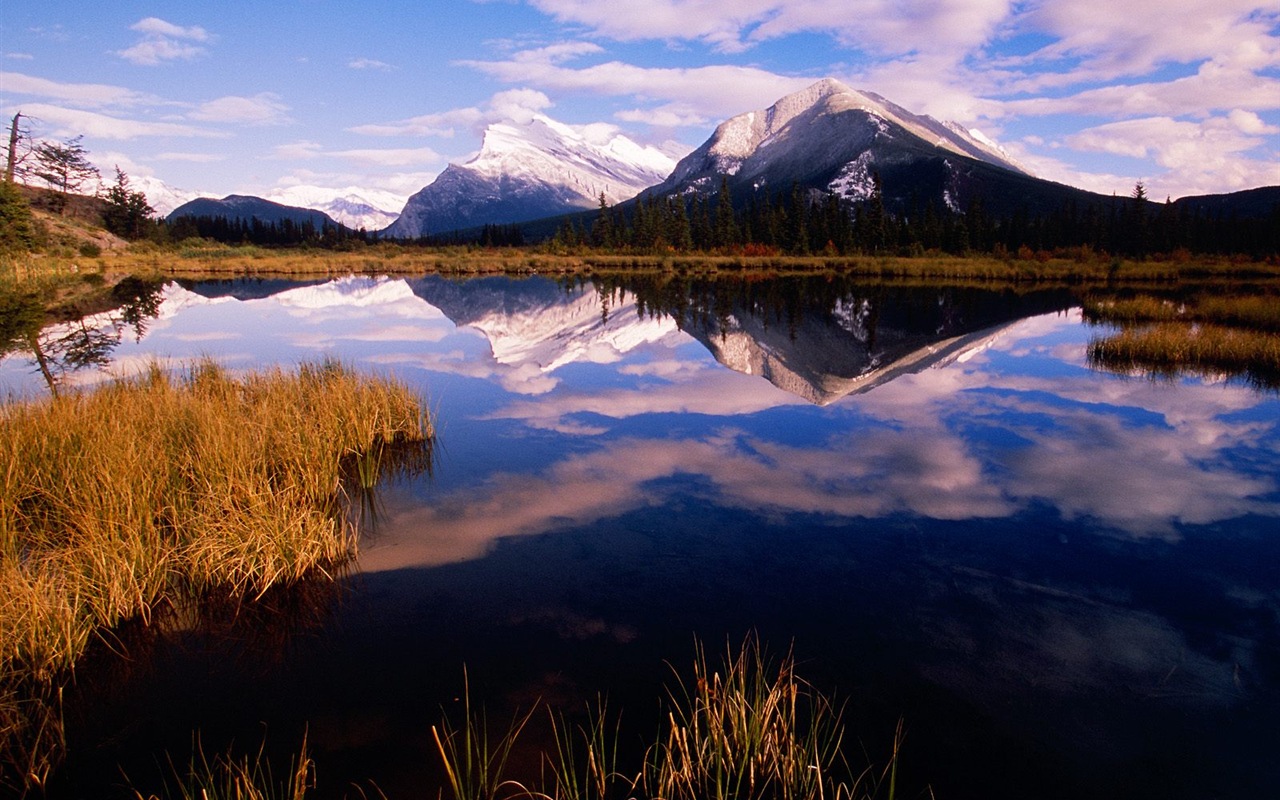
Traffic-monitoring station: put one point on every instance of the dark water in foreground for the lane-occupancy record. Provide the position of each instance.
(1065, 582)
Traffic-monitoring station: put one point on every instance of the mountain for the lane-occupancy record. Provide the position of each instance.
(830, 137)
(864, 341)
(537, 325)
(160, 196)
(1259, 202)
(371, 209)
(529, 170)
(246, 207)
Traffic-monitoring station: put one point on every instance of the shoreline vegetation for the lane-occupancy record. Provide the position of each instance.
(745, 727)
(147, 496)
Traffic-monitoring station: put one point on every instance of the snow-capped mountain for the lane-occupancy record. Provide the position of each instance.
(538, 325)
(529, 170)
(831, 138)
(161, 196)
(371, 209)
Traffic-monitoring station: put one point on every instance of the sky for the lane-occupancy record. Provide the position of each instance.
(253, 98)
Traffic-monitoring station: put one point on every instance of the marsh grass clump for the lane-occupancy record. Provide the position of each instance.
(147, 494)
(1172, 349)
(746, 729)
(1236, 335)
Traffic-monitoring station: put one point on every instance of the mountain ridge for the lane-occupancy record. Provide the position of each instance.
(529, 170)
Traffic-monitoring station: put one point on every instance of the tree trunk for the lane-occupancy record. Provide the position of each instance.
(13, 149)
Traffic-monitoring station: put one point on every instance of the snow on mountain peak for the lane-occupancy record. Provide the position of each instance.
(740, 137)
(586, 160)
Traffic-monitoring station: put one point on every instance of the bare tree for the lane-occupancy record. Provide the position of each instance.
(19, 149)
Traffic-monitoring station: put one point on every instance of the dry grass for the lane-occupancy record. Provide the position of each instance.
(115, 499)
(149, 493)
(1172, 349)
(747, 729)
(199, 258)
(1257, 312)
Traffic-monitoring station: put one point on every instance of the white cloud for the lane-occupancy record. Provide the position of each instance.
(717, 91)
(192, 158)
(370, 63)
(389, 157)
(513, 104)
(153, 26)
(90, 95)
(885, 26)
(261, 109)
(164, 41)
(1199, 156)
(20, 56)
(1133, 38)
(91, 124)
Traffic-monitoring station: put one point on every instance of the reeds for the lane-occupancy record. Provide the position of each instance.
(153, 492)
(1204, 334)
(236, 777)
(1172, 349)
(749, 729)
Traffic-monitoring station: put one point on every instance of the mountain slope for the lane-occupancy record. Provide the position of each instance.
(829, 137)
(528, 170)
(246, 207)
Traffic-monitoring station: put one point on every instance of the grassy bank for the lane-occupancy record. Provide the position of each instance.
(145, 494)
(201, 258)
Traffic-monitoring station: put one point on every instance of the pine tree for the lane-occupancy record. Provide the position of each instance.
(127, 213)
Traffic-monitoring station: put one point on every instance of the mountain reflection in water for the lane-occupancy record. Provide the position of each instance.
(1062, 580)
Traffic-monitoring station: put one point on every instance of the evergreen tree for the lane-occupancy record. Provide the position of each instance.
(17, 226)
(602, 229)
(128, 213)
(726, 230)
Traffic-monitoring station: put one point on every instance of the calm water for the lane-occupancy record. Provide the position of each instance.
(1065, 582)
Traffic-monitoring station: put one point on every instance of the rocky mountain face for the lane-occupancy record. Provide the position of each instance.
(831, 138)
(529, 170)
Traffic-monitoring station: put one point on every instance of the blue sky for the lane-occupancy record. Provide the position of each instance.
(254, 97)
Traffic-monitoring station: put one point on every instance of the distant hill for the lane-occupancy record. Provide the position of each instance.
(1247, 203)
(238, 207)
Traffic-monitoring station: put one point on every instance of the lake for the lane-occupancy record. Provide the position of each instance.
(1063, 581)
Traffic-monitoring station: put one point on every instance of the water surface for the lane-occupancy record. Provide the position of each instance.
(1062, 580)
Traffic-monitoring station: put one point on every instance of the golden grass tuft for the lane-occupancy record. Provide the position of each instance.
(149, 493)
(114, 501)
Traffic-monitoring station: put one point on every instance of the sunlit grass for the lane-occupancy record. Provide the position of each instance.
(1258, 312)
(132, 499)
(1173, 349)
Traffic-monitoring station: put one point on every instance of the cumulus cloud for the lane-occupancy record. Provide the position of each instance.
(735, 25)
(1197, 156)
(716, 91)
(164, 41)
